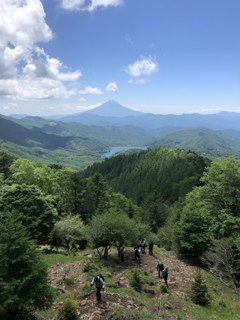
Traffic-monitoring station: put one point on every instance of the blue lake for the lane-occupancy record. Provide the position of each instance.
(117, 149)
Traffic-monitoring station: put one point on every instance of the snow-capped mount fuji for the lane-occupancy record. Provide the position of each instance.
(112, 108)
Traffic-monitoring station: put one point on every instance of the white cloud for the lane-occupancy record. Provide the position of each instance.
(112, 86)
(89, 5)
(90, 90)
(72, 4)
(82, 99)
(142, 69)
(26, 71)
(139, 80)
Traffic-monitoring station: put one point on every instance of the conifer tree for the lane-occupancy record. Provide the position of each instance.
(199, 290)
(23, 275)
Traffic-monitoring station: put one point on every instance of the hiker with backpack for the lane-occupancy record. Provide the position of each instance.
(99, 284)
(137, 254)
(165, 276)
(160, 268)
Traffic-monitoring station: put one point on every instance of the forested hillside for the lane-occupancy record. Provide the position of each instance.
(203, 141)
(170, 173)
(68, 144)
(186, 204)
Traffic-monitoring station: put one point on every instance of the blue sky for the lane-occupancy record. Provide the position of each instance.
(158, 56)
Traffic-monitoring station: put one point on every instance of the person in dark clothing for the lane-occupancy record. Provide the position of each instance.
(150, 248)
(137, 254)
(122, 253)
(165, 276)
(99, 284)
(160, 268)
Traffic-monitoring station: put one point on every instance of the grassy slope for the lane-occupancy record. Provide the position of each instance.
(121, 301)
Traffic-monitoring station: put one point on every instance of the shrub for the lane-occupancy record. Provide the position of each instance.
(163, 288)
(199, 290)
(70, 280)
(135, 280)
(68, 310)
(89, 266)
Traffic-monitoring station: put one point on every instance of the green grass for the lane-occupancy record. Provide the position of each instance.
(224, 303)
(55, 258)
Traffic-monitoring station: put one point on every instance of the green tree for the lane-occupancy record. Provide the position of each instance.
(199, 290)
(64, 193)
(211, 211)
(5, 162)
(36, 209)
(165, 234)
(67, 231)
(101, 193)
(68, 310)
(23, 275)
(194, 233)
(27, 172)
(135, 280)
(82, 200)
(154, 211)
(111, 228)
(221, 195)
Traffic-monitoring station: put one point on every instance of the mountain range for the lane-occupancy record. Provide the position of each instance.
(78, 140)
(112, 113)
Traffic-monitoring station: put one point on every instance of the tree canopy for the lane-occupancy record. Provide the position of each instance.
(211, 211)
(112, 228)
(36, 211)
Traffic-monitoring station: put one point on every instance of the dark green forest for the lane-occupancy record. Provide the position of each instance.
(187, 203)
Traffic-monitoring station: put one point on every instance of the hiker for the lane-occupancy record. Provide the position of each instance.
(160, 268)
(99, 284)
(150, 248)
(121, 254)
(142, 245)
(137, 254)
(165, 275)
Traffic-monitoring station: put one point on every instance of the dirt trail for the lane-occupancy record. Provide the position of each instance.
(180, 276)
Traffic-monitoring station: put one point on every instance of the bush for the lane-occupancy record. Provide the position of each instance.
(163, 288)
(68, 310)
(135, 280)
(90, 266)
(199, 291)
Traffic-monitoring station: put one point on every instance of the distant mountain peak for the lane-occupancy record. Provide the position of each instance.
(112, 108)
